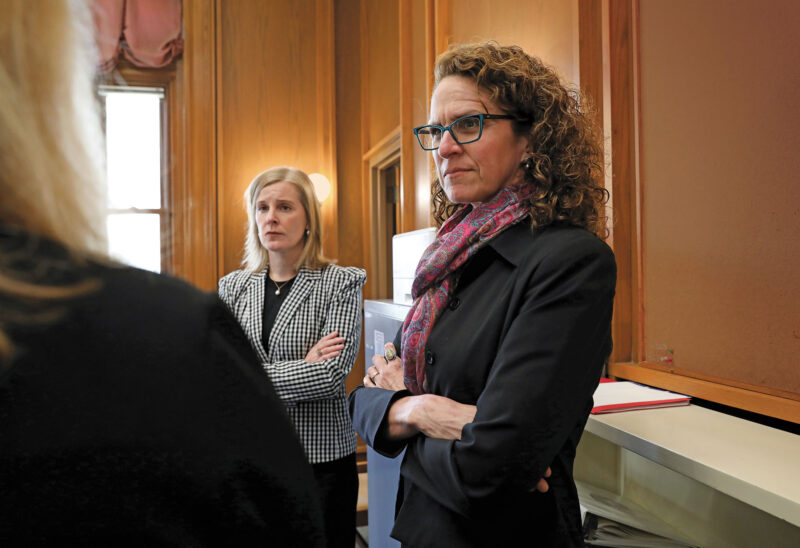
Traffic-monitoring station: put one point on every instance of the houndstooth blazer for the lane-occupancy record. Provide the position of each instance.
(320, 301)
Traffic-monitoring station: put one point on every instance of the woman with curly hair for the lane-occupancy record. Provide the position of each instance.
(511, 321)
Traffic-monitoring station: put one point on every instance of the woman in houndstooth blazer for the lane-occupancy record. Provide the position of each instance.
(302, 315)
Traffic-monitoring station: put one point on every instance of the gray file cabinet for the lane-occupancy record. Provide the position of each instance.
(382, 320)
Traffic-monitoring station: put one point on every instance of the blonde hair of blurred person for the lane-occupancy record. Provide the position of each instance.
(256, 257)
(51, 167)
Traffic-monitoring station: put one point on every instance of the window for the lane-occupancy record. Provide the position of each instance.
(137, 216)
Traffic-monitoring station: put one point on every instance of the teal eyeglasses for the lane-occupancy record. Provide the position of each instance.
(464, 130)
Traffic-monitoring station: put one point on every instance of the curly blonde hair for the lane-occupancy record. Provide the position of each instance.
(565, 165)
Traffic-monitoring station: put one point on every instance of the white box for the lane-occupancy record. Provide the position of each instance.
(407, 249)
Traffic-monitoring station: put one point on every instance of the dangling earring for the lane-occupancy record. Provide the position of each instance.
(308, 231)
(528, 163)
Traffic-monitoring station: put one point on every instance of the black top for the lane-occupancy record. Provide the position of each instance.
(524, 337)
(139, 415)
(273, 299)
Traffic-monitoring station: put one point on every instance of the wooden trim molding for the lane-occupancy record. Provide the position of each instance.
(198, 226)
(430, 44)
(639, 189)
(378, 157)
(326, 116)
(624, 183)
(443, 30)
(173, 187)
(590, 52)
(218, 116)
(381, 145)
(365, 143)
(749, 400)
(719, 380)
(407, 202)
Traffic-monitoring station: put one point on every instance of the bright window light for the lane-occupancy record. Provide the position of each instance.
(135, 239)
(134, 163)
(133, 147)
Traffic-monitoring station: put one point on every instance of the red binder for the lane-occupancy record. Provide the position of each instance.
(615, 396)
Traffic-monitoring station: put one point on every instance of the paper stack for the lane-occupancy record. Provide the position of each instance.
(613, 396)
(610, 520)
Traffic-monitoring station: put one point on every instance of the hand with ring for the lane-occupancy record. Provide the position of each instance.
(386, 371)
(329, 346)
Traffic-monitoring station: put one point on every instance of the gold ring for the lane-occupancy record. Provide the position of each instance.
(319, 352)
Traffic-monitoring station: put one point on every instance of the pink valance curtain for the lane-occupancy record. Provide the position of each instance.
(145, 32)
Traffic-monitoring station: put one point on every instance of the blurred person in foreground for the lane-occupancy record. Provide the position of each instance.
(510, 325)
(132, 408)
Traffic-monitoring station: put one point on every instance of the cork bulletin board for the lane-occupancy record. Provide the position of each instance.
(720, 191)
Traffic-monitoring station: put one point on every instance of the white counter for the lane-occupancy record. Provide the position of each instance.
(753, 463)
(678, 460)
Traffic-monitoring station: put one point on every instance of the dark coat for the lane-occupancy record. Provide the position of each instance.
(524, 337)
(140, 416)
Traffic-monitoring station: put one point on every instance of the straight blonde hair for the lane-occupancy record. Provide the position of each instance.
(51, 144)
(256, 257)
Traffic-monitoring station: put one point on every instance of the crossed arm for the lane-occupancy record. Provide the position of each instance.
(428, 414)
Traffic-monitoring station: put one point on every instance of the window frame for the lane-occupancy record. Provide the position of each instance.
(173, 192)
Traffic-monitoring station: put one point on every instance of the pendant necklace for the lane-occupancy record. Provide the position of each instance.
(279, 287)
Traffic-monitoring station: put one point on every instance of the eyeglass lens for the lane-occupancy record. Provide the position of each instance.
(464, 130)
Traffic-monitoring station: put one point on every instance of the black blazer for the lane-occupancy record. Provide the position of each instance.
(524, 337)
(140, 416)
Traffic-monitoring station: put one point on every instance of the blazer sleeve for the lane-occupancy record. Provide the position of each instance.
(539, 390)
(299, 381)
(227, 287)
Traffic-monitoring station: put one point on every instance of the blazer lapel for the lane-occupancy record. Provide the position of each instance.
(254, 297)
(301, 289)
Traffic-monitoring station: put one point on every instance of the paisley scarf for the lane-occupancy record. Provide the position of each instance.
(459, 238)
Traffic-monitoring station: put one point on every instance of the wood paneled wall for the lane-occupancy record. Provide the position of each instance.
(380, 67)
(270, 109)
(416, 59)
(349, 147)
(318, 85)
(348, 131)
(545, 28)
(322, 85)
(198, 222)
